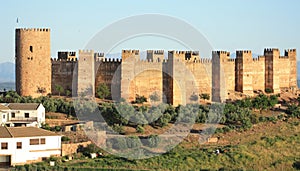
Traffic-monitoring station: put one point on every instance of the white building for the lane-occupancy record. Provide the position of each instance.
(23, 145)
(22, 114)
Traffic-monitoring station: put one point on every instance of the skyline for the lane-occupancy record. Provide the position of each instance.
(233, 25)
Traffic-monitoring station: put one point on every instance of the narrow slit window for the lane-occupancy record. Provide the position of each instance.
(31, 48)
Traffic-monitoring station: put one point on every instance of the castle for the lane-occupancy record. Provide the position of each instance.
(175, 79)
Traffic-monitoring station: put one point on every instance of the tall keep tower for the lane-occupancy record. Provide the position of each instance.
(33, 62)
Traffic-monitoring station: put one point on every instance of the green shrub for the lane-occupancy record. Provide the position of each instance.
(219, 130)
(140, 99)
(119, 143)
(57, 128)
(91, 148)
(46, 126)
(65, 138)
(102, 91)
(153, 140)
(118, 128)
(268, 90)
(133, 142)
(140, 129)
(226, 129)
(272, 119)
(262, 119)
(254, 119)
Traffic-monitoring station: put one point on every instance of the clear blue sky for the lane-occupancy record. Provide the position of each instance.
(228, 25)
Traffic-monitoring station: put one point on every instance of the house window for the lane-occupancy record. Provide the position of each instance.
(31, 48)
(3, 116)
(4, 146)
(19, 145)
(13, 115)
(34, 141)
(43, 141)
(26, 115)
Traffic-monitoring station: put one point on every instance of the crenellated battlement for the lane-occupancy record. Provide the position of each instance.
(68, 59)
(259, 58)
(180, 52)
(221, 54)
(156, 52)
(231, 60)
(159, 52)
(72, 53)
(266, 50)
(109, 60)
(33, 29)
(241, 52)
(136, 52)
(99, 54)
(65, 55)
(290, 52)
(86, 51)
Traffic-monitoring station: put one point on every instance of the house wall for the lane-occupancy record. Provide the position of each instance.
(41, 114)
(31, 153)
(34, 116)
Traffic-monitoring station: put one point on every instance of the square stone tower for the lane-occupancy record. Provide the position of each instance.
(272, 70)
(129, 58)
(244, 72)
(86, 73)
(33, 62)
(223, 75)
(292, 54)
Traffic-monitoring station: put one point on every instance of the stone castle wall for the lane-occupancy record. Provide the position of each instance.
(175, 79)
(108, 73)
(141, 77)
(62, 74)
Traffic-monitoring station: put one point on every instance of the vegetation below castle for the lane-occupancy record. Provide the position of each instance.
(240, 115)
(276, 147)
(51, 104)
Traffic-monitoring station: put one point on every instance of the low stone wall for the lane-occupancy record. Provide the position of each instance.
(67, 149)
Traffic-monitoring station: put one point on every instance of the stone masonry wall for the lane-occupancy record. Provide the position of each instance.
(62, 74)
(68, 149)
